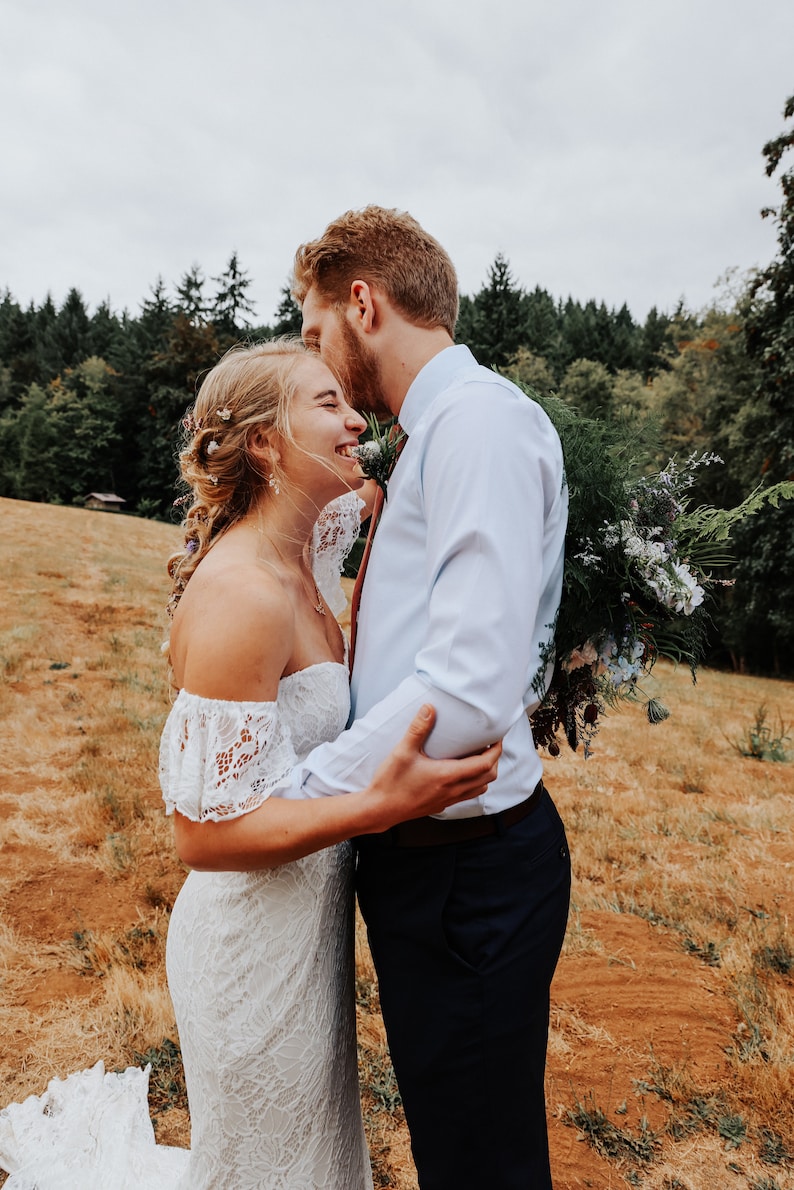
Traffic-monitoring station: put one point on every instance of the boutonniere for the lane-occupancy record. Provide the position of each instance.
(378, 455)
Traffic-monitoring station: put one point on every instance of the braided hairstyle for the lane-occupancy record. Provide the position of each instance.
(249, 390)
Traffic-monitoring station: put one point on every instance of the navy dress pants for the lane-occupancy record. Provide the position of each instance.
(465, 938)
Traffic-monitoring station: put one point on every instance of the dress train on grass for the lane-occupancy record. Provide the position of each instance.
(90, 1131)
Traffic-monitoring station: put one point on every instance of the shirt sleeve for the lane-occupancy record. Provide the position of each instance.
(495, 508)
(222, 759)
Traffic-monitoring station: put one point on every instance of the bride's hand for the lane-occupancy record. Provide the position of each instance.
(411, 785)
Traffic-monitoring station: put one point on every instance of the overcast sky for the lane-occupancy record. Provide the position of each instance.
(609, 150)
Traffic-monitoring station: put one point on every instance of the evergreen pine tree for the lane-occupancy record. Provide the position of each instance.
(542, 326)
(289, 319)
(231, 307)
(190, 299)
(652, 342)
(71, 329)
(498, 316)
(18, 355)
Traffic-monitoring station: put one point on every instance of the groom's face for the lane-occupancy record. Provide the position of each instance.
(326, 330)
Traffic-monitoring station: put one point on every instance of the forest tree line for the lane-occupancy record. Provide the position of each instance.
(93, 401)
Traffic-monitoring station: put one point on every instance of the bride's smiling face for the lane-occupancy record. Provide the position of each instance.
(324, 429)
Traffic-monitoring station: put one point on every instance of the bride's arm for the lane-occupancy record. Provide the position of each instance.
(407, 785)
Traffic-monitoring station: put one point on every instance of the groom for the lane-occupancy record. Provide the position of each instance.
(465, 912)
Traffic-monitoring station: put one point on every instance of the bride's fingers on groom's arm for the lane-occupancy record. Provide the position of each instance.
(422, 724)
(482, 765)
(420, 727)
(490, 756)
(466, 777)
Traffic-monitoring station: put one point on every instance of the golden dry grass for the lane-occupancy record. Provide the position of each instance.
(680, 946)
(672, 1001)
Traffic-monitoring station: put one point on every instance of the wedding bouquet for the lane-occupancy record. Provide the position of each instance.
(638, 570)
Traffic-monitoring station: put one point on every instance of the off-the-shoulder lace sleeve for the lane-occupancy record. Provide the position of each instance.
(335, 532)
(222, 759)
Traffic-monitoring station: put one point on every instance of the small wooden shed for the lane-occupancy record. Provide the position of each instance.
(106, 501)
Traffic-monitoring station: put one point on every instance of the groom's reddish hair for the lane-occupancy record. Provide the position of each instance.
(388, 249)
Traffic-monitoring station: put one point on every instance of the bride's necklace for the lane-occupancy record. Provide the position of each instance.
(319, 606)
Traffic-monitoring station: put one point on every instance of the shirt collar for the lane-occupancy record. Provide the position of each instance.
(434, 377)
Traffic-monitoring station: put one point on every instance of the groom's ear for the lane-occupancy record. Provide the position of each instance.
(364, 306)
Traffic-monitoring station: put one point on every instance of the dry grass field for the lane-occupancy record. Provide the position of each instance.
(672, 1048)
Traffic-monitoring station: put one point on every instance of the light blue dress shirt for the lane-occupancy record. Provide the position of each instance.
(462, 587)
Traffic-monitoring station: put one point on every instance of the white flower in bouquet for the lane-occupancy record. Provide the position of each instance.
(671, 581)
(623, 662)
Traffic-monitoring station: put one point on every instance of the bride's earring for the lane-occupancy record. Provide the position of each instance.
(267, 460)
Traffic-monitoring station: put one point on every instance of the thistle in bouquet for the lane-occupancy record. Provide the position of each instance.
(638, 574)
(378, 455)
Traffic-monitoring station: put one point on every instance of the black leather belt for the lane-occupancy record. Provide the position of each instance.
(436, 832)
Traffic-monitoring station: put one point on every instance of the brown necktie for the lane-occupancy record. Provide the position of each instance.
(377, 508)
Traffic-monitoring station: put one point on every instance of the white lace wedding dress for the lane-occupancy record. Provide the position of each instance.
(260, 970)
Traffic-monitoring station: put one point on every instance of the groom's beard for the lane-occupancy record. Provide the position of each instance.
(360, 374)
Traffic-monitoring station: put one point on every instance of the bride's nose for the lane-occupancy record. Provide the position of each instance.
(355, 422)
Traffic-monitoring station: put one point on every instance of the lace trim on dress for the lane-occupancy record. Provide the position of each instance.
(222, 759)
(333, 536)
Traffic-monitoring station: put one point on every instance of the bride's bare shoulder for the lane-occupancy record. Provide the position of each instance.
(233, 633)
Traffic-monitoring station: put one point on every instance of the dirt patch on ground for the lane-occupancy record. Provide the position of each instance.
(54, 904)
(618, 1016)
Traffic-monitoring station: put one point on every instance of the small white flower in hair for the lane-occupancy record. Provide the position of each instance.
(213, 446)
(225, 414)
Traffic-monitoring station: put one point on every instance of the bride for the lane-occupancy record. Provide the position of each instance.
(260, 943)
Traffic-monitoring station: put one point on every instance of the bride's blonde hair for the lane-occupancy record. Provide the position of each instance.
(249, 391)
